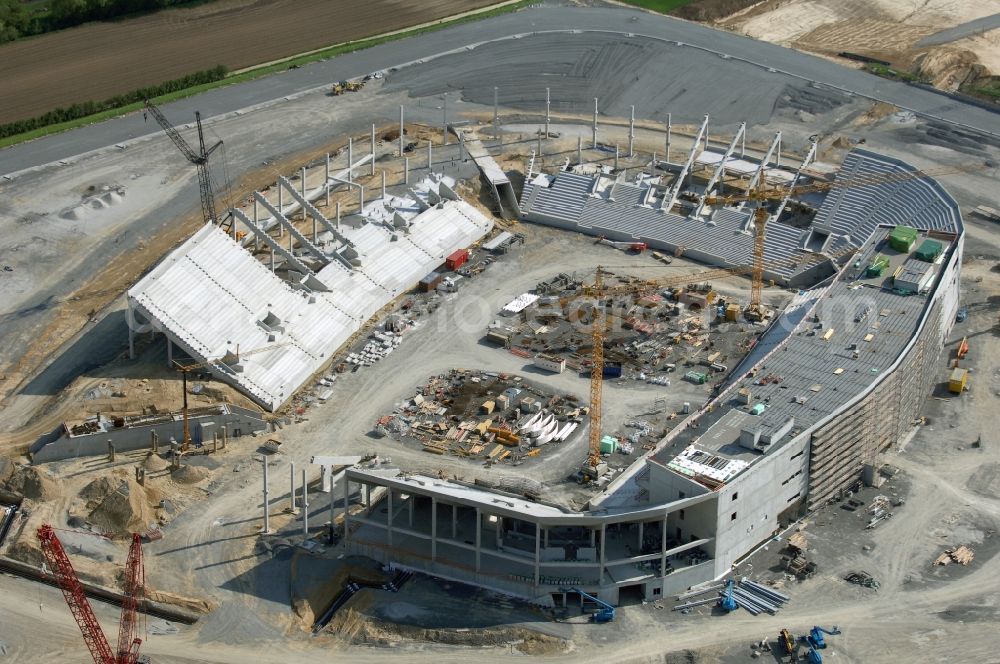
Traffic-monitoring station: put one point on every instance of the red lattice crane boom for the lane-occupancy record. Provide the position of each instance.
(61, 567)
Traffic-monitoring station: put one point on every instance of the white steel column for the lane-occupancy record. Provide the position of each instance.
(383, 185)
(373, 149)
(326, 180)
(595, 124)
(267, 500)
(579, 149)
(406, 170)
(631, 134)
(401, 139)
(303, 188)
(281, 210)
(547, 116)
(350, 159)
(444, 121)
(496, 117)
(305, 504)
(670, 128)
(430, 155)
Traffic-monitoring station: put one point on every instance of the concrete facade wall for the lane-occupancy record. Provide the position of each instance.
(136, 438)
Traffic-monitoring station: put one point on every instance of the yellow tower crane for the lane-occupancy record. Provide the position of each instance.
(185, 369)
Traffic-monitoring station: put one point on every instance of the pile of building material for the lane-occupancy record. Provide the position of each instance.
(962, 555)
(491, 416)
(757, 599)
(863, 579)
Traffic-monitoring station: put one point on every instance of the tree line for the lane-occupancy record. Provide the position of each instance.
(20, 20)
(86, 108)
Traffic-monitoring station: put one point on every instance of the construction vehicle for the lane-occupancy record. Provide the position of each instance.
(340, 87)
(759, 195)
(726, 601)
(787, 641)
(816, 639)
(963, 348)
(631, 246)
(605, 612)
(199, 159)
(134, 585)
(813, 656)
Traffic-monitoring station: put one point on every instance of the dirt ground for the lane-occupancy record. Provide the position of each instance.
(884, 29)
(94, 61)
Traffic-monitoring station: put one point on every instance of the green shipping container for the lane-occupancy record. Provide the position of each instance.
(929, 251)
(902, 238)
(696, 377)
(877, 266)
(608, 445)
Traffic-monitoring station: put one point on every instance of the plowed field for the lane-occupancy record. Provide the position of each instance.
(100, 60)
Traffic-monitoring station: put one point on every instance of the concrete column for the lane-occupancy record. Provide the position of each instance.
(631, 133)
(496, 117)
(454, 521)
(538, 546)
(479, 535)
(256, 223)
(640, 537)
(652, 165)
(170, 353)
(604, 551)
(579, 149)
(338, 216)
(131, 343)
(291, 491)
(153, 442)
(332, 515)
(593, 538)
(326, 180)
(670, 128)
(361, 199)
(705, 144)
(302, 187)
(305, 504)
(347, 504)
(350, 159)
(444, 121)
(368, 496)
(547, 115)
(267, 501)
(595, 123)
(777, 161)
(499, 538)
(373, 150)
(383, 185)
(430, 155)
(388, 523)
(538, 150)
(663, 546)
(406, 170)
(434, 528)
(411, 501)
(616, 156)
(281, 210)
(743, 145)
(402, 143)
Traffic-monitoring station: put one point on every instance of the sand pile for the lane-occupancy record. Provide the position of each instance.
(124, 510)
(30, 482)
(189, 474)
(947, 67)
(155, 464)
(97, 490)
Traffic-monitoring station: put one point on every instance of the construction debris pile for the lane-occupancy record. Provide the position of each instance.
(962, 555)
(490, 416)
(651, 331)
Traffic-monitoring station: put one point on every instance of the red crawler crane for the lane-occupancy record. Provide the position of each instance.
(93, 635)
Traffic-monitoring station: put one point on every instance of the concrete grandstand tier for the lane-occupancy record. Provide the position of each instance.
(215, 300)
(608, 206)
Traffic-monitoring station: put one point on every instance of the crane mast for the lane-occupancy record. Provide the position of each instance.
(135, 583)
(72, 589)
(596, 374)
(199, 159)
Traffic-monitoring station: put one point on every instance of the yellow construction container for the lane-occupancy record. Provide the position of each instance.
(828, 335)
(732, 312)
(488, 407)
(958, 380)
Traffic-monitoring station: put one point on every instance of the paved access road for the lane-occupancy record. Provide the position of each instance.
(544, 18)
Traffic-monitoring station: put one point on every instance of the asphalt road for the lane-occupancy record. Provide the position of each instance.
(536, 19)
(968, 29)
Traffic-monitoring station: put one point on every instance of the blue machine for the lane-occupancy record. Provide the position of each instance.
(726, 601)
(605, 612)
(813, 656)
(816, 639)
